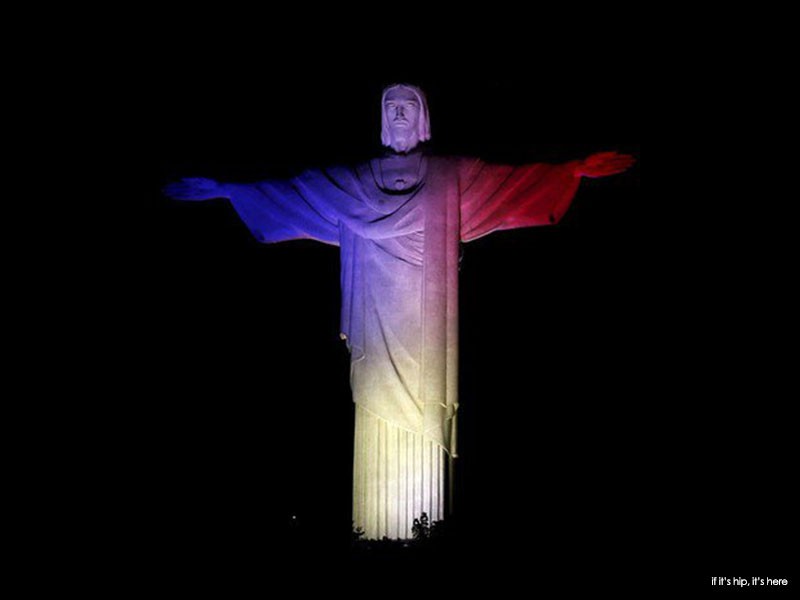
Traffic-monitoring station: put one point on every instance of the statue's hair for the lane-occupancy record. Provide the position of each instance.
(424, 123)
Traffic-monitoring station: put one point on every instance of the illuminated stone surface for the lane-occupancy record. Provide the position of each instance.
(399, 220)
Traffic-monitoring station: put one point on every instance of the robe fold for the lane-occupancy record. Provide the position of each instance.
(399, 255)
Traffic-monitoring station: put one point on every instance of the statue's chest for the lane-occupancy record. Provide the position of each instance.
(398, 176)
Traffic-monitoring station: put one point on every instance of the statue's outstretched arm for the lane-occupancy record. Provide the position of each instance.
(602, 164)
(196, 188)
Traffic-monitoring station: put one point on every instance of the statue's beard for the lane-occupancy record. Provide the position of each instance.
(403, 140)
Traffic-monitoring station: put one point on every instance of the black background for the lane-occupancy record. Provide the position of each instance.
(609, 424)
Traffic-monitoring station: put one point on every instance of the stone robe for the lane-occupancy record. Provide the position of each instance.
(399, 281)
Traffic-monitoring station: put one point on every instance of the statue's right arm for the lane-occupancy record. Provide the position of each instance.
(196, 188)
(274, 211)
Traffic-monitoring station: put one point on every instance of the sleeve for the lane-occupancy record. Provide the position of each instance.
(299, 208)
(497, 197)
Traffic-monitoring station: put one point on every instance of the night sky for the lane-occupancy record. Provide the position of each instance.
(578, 430)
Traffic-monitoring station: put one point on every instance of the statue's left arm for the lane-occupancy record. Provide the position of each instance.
(497, 197)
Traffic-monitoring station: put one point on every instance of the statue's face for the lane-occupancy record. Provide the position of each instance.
(402, 114)
(402, 108)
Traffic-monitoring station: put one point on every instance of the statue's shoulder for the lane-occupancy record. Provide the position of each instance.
(458, 165)
(333, 174)
(457, 161)
(447, 162)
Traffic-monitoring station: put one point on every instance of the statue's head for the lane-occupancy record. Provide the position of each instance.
(405, 121)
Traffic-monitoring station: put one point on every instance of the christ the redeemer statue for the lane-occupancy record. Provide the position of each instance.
(398, 221)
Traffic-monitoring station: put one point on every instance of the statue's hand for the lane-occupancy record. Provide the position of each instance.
(603, 164)
(194, 188)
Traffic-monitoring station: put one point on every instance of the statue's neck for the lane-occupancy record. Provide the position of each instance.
(404, 145)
